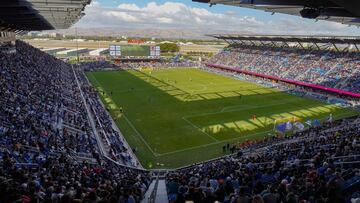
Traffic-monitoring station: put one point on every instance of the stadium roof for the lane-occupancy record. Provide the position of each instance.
(341, 11)
(98, 52)
(35, 15)
(291, 38)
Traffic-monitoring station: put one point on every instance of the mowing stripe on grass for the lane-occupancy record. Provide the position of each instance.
(179, 142)
(219, 142)
(343, 115)
(241, 109)
(256, 106)
(195, 126)
(128, 121)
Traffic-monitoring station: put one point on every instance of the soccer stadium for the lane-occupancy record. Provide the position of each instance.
(267, 119)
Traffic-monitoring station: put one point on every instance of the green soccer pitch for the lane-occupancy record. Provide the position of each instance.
(178, 117)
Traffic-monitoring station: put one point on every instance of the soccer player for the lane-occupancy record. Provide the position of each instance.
(330, 119)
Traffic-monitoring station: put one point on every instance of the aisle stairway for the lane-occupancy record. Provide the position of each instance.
(161, 194)
(156, 192)
(148, 193)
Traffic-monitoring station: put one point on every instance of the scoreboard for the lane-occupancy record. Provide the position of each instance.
(134, 51)
(115, 50)
(155, 51)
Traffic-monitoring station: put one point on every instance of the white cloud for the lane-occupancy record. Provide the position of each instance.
(132, 7)
(160, 15)
(122, 16)
(165, 20)
(182, 16)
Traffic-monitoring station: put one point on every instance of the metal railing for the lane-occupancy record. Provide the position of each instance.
(152, 197)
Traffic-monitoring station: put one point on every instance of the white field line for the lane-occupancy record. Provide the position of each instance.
(214, 143)
(140, 136)
(224, 141)
(114, 123)
(238, 109)
(339, 116)
(131, 125)
(256, 106)
(195, 126)
(186, 149)
(204, 87)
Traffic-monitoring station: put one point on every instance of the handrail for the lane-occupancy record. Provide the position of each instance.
(347, 162)
(341, 157)
(93, 127)
(91, 120)
(118, 130)
(101, 127)
(152, 196)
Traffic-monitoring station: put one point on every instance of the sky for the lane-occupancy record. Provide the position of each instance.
(185, 14)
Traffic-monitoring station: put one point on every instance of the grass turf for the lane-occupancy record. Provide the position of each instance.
(177, 117)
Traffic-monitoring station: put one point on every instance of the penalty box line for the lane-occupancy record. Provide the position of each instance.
(224, 141)
(214, 143)
(247, 107)
(195, 126)
(198, 128)
(181, 150)
(141, 137)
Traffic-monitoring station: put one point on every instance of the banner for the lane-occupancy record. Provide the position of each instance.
(289, 125)
(299, 126)
(281, 127)
(316, 122)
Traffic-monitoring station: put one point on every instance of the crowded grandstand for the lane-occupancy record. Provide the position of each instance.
(319, 62)
(60, 140)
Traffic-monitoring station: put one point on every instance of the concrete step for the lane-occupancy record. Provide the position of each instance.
(161, 194)
(148, 192)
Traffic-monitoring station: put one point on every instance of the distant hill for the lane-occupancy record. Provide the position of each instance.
(143, 33)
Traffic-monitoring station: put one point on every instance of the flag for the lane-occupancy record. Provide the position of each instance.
(281, 127)
(308, 122)
(316, 122)
(289, 125)
(299, 126)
